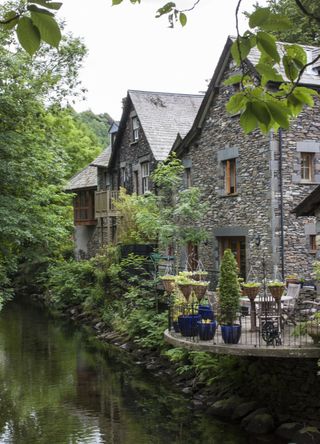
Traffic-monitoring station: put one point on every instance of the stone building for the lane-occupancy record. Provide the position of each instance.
(83, 185)
(150, 123)
(253, 182)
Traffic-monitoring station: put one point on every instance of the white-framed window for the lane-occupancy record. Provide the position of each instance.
(135, 128)
(145, 169)
(307, 166)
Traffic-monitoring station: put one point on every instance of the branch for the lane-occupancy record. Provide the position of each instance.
(6, 22)
(190, 9)
(242, 65)
(296, 83)
(306, 12)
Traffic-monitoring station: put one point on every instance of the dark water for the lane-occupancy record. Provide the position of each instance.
(57, 387)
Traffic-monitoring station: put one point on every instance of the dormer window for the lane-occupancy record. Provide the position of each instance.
(135, 128)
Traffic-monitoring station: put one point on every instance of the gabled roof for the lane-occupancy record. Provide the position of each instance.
(85, 179)
(309, 78)
(164, 115)
(310, 204)
(103, 159)
(114, 127)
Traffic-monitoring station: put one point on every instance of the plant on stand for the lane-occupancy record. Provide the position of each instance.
(229, 298)
(251, 290)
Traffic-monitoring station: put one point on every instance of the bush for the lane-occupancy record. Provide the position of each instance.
(70, 283)
(229, 288)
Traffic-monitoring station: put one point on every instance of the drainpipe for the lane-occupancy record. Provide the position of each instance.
(281, 202)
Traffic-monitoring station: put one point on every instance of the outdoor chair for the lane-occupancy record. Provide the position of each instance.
(289, 304)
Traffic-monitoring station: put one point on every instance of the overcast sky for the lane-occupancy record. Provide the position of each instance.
(130, 49)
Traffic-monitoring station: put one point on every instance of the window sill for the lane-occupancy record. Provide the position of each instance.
(134, 142)
(311, 182)
(313, 251)
(230, 195)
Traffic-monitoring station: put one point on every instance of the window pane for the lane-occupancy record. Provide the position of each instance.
(230, 176)
(306, 166)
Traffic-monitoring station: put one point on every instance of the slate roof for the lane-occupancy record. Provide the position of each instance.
(86, 178)
(164, 115)
(309, 77)
(103, 159)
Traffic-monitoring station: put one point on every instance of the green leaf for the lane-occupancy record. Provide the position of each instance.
(290, 68)
(116, 2)
(258, 17)
(267, 44)
(270, 73)
(248, 120)
(277, 23)
(48, 27)
(11, 15)
(240, 49)
(165, 9)
(261, 112)
(304, 95)
(279, 114)
(298, 54)
(35, 8)
(233, 80)
(28, 35)
(183, 19)
(236, 103)
(50, 5)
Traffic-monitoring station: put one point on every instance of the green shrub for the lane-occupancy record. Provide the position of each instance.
(70, 283)
(229, 288)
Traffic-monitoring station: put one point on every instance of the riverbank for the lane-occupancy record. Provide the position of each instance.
(223, 400)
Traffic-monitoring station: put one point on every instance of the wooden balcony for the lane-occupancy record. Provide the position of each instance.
(83, 208)
(104, 206)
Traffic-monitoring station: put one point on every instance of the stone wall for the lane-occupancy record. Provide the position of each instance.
(130, 155)
(255, 208)
(290, 387)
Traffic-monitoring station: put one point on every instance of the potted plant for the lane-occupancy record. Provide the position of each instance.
(185, 286)
(199, 288)
(292, 279)
(229, 298)
(168, 281)
(206, 312)
(316, 275)
(310, 327)
(276, 289)
(199, 275)
(251, 289)
(206, 329)
(188, 323)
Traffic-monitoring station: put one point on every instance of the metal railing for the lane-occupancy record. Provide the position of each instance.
(197, 323)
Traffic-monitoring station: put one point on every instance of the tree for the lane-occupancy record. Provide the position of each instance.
(305, 30)
(99, 124)
(35, 213)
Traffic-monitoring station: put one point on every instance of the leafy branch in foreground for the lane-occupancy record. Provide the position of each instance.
(33, 22)
(269, 94)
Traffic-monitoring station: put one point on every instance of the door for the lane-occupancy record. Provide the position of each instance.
(238, 247)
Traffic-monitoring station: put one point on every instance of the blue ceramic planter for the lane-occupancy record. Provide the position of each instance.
(206, 312)
(231, 333)
(206, 332)
(188, 324)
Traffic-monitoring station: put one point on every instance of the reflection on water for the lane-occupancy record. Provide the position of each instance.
(56, 387)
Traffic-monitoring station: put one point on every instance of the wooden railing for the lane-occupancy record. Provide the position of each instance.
(104, 203)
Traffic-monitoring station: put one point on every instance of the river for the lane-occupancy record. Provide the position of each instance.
(58, 387)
